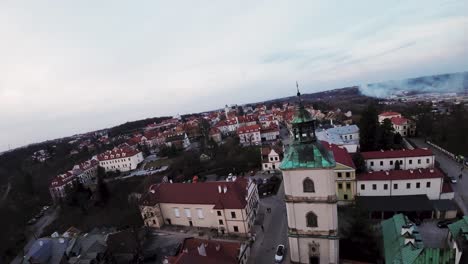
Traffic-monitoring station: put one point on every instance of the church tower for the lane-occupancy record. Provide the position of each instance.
(310, 195)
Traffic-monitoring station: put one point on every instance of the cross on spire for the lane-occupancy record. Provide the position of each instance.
(298, 93)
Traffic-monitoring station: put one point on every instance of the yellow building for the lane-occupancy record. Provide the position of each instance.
(345, 172)
(229, 207)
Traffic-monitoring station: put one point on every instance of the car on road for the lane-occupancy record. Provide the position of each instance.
(445, 223)
(279, 255)
(453, 180)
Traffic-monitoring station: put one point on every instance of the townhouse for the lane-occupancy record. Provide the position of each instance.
(419, 158)
(120, 159)
(270, 133)
(249, 135)
(229, 207)
(346, 136)
(271, 158)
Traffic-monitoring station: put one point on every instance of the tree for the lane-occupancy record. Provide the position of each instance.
(359, 162)
(102, 190)
(28, 183)
(240, 111)
(368, 128)
(397, 139)
(385, 135)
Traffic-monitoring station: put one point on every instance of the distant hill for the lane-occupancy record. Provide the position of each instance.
(442, 83)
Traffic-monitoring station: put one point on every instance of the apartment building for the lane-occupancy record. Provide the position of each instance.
(249, 135)
(420, 158)
(229, 207)
(121, 159)
(271, 158)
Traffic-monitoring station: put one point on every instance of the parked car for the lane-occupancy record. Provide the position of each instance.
(32, 221)
(445, 223)
(416, 220)
(279, 253)
(453, 180)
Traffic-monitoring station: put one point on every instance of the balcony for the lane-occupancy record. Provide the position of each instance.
(309, 199)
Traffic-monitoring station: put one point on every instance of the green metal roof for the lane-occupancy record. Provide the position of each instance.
(462, 225)
(301, 116)
(397, 252)
(310, 155)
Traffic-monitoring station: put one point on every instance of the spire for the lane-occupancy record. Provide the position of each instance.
(298, 93)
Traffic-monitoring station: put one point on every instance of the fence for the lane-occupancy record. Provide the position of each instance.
(448, 153)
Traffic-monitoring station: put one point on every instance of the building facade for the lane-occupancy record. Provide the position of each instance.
(229, 207)
(120, 159)
(346, 136)
(310, 195)
(249, 135)
(408, 159)
(271, 158)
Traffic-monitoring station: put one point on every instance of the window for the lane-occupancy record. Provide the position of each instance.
(200, 213)
(276, 158)
(350, 136)
(408, 185)
(427, 161)
(418, 185)
(374, 186)
(339, 174)
(266, 166)
(381, 163)
(221, 222)
(308, 185)
(236, 229)
(176, 212)
(363, 187)
(395, 186)
(233, 214)
(391, 162)
(401, 162)
(410, 161)
(372, 163)
(385, 186)
(419, 161)
(348, 186)
(187, 212)
(428, 184)
(340, 186)
(219, 213)
(348, 174)
(345, 197)
(311, 219)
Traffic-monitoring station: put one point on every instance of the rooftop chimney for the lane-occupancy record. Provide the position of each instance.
(219, 189)
(218, 247)
(202, 250)
(225, 189)
(411, 171)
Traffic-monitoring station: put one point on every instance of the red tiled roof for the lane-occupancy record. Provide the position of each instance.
(267, 150)
(400, 175)
(62, 179)
(399, 120)
(404, 153)
(447, 188)
(248, 129)
(214, 130)
(340, 153)
(199, 193)
(227, 252)
(389, 114)
(272, 128)
(117, 153)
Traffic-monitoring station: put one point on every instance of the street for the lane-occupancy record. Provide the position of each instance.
(452, 168)
(275, 226)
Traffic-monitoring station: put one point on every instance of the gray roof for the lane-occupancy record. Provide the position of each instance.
(343, 130)
(333, 135)
(48, 250)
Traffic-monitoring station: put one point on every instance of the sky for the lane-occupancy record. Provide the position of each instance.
(69, 67)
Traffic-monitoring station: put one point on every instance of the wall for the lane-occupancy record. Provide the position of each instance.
(344, 180)
(433, 192)
(324, 181)
(389, 164)
(300, 250)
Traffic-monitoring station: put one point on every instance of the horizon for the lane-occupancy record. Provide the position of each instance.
(72, 68)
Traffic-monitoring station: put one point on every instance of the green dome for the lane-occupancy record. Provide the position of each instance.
(301, 116)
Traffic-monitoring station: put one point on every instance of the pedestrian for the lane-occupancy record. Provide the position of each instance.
(460, 176)
(263, 229)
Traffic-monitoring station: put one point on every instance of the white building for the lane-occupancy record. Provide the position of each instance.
(402, 125)
(401, 182)
(122, 159)
(249, 135)
(419, 158)
(229, 207)
(271, 158)
(270, 133)
(388, 115)
(346, 136)
(310, 195)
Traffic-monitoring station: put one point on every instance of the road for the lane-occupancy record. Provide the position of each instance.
(452, 168)
(275, 225)
(35, 230)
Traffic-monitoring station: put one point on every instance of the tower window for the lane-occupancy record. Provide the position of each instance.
(308, 185)
(311, 219)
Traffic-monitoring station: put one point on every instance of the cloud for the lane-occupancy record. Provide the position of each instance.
(75, 66)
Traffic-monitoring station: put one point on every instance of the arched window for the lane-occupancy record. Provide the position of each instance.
(308, 185)
(311, 219)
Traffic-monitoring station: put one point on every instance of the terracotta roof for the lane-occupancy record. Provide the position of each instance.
(400, 175)
(447, 188)
(117, 153)
(272, 128)
(227, 252)
(340, 154)
(267, 150)
(214, 130)
(403, 153)
(199, 193)
(248, 129)
(399, 120)
(389, 114)
(62, 179)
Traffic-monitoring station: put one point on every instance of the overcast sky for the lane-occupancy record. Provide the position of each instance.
(69, 67)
